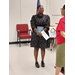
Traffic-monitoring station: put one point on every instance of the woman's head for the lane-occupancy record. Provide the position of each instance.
(40, 9)
(63, 10)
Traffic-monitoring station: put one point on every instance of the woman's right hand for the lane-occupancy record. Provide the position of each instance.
(40, 34)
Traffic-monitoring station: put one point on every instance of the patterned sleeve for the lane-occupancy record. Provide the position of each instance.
(47, 22)
(33, 22)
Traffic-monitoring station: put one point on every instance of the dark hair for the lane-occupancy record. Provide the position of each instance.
(64, 7)
(38, 6)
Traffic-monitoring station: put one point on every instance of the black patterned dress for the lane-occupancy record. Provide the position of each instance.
(36, 40)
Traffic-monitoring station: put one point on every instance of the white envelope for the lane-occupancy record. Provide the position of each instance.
(45, 35)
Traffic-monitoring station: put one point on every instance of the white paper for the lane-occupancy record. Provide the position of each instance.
(45, 35)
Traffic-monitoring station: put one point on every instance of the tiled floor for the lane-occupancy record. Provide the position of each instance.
(21, 61)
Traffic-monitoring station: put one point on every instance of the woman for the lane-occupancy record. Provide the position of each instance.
(37, 40)
(60, 36)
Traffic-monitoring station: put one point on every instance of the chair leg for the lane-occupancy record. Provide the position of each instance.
(17, 40)
(28, 43)
(53, 43)
(19, 43)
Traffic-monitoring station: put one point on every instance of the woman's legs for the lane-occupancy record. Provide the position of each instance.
(60, 58)
(58, 69)
(36, 54)
(42, 54)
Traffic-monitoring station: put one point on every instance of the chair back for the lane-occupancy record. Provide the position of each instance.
(22, 27)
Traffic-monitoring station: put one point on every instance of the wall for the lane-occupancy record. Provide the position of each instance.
(14, 18)
(20, 11)
(53, 8)
(28, 8)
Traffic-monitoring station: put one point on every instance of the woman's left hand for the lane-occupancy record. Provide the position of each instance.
(40, 34)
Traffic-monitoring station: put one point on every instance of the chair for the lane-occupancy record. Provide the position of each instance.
(22, 32)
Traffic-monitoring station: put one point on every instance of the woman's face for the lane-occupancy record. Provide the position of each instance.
(62, 12)
(41, 10)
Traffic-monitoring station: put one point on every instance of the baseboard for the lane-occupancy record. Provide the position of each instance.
(19, 42)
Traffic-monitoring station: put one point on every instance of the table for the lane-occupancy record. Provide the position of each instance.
(52, 42)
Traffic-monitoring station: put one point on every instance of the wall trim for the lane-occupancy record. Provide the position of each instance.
(15, 42)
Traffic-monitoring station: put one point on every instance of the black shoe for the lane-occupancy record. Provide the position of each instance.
(42, 64)
(37, 65)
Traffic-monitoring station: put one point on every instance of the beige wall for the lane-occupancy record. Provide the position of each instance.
(53, 8)
(20, 11)
(14, 18)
